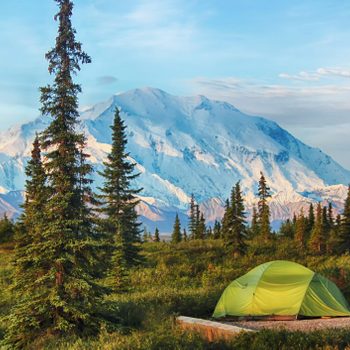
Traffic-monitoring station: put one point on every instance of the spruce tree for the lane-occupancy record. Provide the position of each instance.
(233, 223)
(254, 226)
(237, 237)
(193, 222)
(65, 296)
(287, 229)
(310, 221)
(229, 216)
(176, 235)
(294, 220)
(196, 219)
(330, 217)
(184, 235)
(32, 222)
(209, 233)
(201, 227)
(226, 219)
(300, 229)
(344, 230)
(118, 197)
(217, 230)
(263, 208)
(7, 229)
(199, 232)
(156, 235)
(325, 221)
(29, 241)
(118, 277)
(317, 241)
(334, 236)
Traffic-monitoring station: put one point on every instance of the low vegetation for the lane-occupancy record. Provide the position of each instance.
(187, 278)
(73, 279)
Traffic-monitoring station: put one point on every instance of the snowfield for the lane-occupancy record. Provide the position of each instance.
(185, 145)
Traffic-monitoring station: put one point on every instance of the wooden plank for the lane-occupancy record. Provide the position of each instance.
(260, 318)
(209, 329)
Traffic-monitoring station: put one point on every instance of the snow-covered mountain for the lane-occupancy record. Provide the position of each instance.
(185, 145)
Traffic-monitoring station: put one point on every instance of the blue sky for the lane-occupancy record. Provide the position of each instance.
(286, 60)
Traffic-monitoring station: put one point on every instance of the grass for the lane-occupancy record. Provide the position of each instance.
(188, 279)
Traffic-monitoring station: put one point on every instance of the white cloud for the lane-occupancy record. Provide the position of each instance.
(165, 26)
(289, 105)
(318, 74)
(318, 114)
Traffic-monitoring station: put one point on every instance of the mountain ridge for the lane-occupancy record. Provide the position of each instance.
(185, 145)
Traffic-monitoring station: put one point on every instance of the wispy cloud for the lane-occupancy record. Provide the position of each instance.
(318, 74)
(318, 114)
(148, 25)
(289, 104)
(106, 80)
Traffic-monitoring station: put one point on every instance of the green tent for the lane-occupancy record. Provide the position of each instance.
(282, 288)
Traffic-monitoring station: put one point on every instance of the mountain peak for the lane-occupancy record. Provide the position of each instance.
(185, 145)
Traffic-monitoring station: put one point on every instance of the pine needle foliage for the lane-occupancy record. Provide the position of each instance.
(301, 230)
(234, 223)
(263, 209)
(118, 198)
(344, 239)
(156, 235)
(176, 236)
(317, 242)
(64, 295)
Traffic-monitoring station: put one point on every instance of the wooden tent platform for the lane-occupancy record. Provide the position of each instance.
(209, 329)
(227, 329)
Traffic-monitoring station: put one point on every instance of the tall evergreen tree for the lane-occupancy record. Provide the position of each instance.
(325, 221)
(7, 230)
(201, 227)
(344, 230)
(287, 229)
(65, 295)
(238, 233)
(156, 235)
(196, 219)
(233, 223)
(28, 244)
(300, 229)
(330, 217)
(334, 236)
(118, 198)
(184, 235)
(317, 239)
(263, 208)
(193, 221)
(226, 219)
(32, 222)
(254, 226)
(118, 276)
(229, 216)
(217, 230)
(209, 233)
(176, 235)
(310, 221)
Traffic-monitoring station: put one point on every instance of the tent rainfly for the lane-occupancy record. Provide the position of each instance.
(282, 288)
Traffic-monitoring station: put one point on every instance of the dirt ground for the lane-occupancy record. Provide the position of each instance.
(296, 325)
